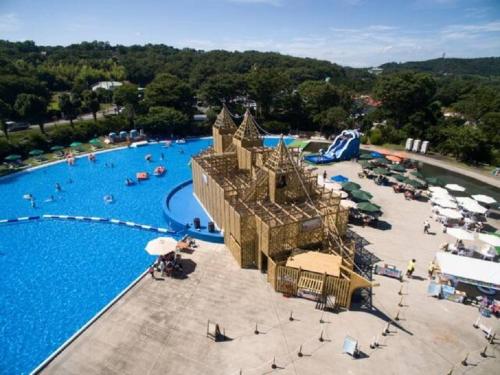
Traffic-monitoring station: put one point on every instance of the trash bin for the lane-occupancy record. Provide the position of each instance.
(211, 226)
(197, 223)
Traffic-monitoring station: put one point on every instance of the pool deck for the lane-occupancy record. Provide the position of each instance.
(470, 172)
(159, 326)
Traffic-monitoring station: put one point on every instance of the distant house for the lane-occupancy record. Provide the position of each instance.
(200, 117)
(375, 71)
(106, 85)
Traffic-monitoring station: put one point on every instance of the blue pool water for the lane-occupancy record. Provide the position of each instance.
(56, 275)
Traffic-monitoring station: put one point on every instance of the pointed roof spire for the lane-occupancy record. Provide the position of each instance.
(224, 119)
(280, 159)
(248, 128)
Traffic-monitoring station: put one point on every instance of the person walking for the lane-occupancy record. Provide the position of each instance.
(432, 268)
(411, 268)
(427, 226)
(325, 175)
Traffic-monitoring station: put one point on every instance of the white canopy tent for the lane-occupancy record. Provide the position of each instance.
(449, 213)
(484, 198)
(469, 270)
(460, 234)
(454, 187)
(443, 202)
(471, 205)
(490, 239)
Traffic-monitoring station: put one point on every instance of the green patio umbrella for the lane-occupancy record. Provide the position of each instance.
(365, 157)
(56, 148)
(399, 177)
(350, 186)
(361, 195)
(416, 184)
(435, 181)
(366, 164)
(417, 174)
(397, 168)
(36, 152)
(382, 171)
(380, 161)
(95, 142)
(13, 157)
(368, 207)
(75, 144)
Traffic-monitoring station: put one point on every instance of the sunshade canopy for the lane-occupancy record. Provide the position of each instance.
(435, 181)
(454, 187)
(449, 213)
(75, 144)
(380, 161)
(368, 207)
(95, 141)
(399, 177)
(470, 270)
(460, 234)
(36, 152)
(365, 156)
(383, 171)
(350, 186)
(490, 239)
(397, 167)
(348, 203)
(13, 157)
(56, 148)
(361, 195)
(417, 174)
(161, 245)
(484, 198)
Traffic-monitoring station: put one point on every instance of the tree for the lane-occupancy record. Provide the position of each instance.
(403, 94)
(478, 102)
(5, 111)
(32, 108)
(164, 120)
(334, 119)
(222, 88)
(266, 86)
(91, 102)
(166, 90)
(70, 106)
(466, 143)
(127, 96)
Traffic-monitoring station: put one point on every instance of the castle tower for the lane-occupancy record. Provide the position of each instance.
(284, 182)
(223, 130)
(246, 137)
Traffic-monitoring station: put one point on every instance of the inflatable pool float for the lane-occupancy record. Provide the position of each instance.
(142, 175)
(108, 199)
(159, 171)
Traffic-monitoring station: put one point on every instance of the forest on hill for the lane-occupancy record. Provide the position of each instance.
(163, 87)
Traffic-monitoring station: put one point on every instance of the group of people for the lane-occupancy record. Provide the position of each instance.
(29, 197)
(167, 265)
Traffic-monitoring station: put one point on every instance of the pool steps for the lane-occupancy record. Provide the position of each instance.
(130, 224)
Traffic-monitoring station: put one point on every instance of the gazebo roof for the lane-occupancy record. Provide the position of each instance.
(224, 120)
(247, 129)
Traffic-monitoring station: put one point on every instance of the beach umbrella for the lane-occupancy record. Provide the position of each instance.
(339, 178)
(490, 239)
(444, 202)
(449, 213)
(376, 154)
(365, 157)
(13, 157)
(436, 190)
(380, 161)
(416, 184)
(484, 198)
(36, 152)
(454, 187)
(383, 171)
(472, 206)
(348, 203)
(417, 174)
(161, 246)
(361, 195)
(95, 142)
(350, 186)
(56, 148)
(399, 177)
(341, 194)
(397, 168)
(365, 164)
(460, 234)
(368, 207)
(393, 158)
(75, 144)
(332, 185)
(435, 181)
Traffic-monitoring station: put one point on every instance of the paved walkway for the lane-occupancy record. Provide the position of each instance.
(470, 172)
(159, 327)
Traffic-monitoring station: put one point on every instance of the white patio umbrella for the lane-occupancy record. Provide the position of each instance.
(490, 239)
(474, 208)
(449, 213)
(445, 203)
(437, 190)
(333, 185)
(465, 200)
(484, 198)
(454, 187)
(161, 245)
(460, 234)
(348, 203)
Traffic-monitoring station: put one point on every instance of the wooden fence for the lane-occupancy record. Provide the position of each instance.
(289, 280)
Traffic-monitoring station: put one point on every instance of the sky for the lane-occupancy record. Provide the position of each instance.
(357, 33)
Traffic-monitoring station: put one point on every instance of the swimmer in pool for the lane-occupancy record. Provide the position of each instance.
(58, 187)
(50, 199)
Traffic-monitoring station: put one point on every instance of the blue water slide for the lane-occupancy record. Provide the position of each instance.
(344, 147)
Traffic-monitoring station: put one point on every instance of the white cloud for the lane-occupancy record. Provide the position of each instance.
(9, 22)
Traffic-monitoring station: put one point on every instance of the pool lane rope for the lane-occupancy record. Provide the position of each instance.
(129, 224)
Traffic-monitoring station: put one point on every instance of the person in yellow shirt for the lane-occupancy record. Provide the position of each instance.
(411, 268)
(432, 268)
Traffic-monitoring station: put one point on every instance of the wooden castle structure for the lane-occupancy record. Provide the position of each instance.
(270, 209)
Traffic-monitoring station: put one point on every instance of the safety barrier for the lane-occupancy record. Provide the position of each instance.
(90, 219)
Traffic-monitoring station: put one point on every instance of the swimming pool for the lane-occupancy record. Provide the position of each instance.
(56, 275)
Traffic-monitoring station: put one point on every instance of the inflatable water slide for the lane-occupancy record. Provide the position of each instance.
(344, 147)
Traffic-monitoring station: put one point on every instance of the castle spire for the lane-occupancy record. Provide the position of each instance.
(247, 129)
(224, 120)
(280, 160)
